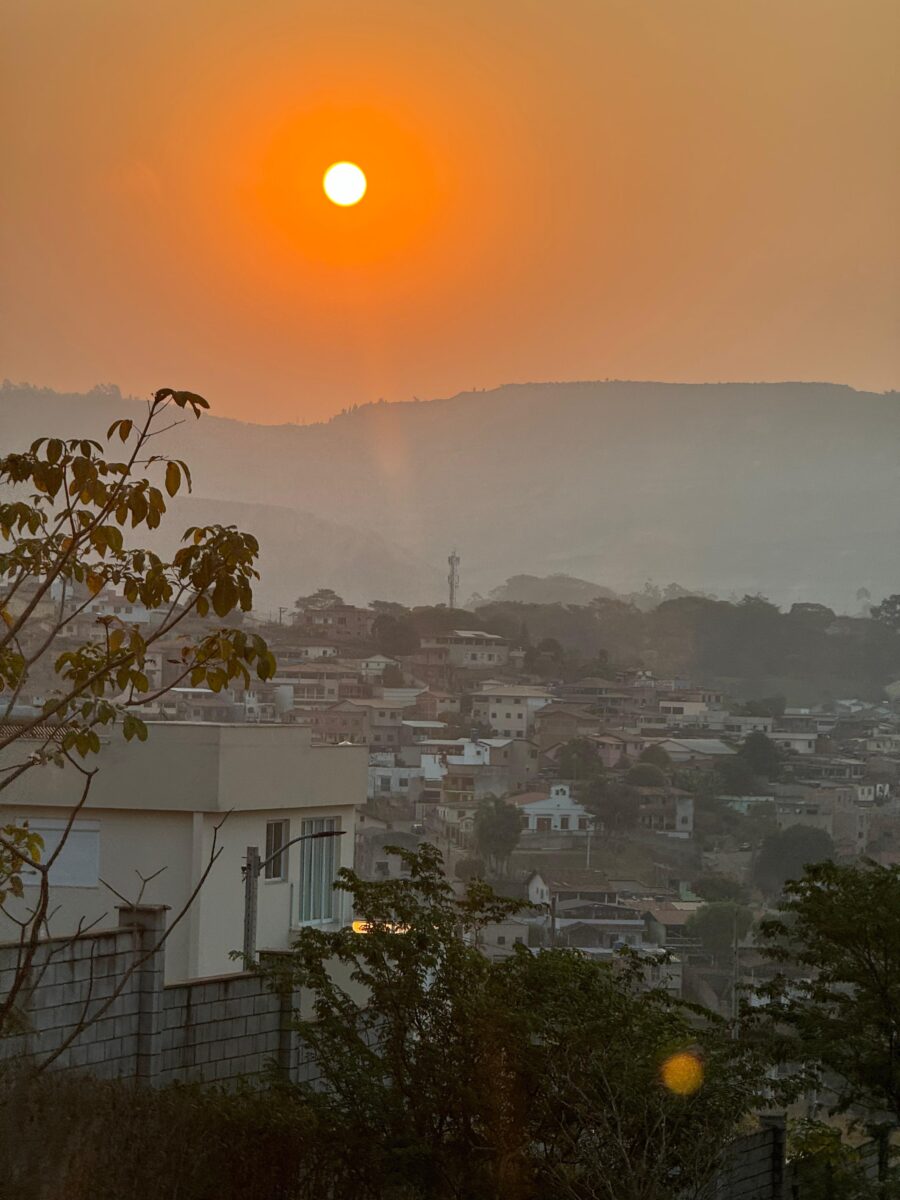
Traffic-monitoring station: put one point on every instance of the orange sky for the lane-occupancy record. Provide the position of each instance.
(579, 189)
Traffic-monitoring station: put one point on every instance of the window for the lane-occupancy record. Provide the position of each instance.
(564, 822)
(277, 834)
(501, 940)
(318, 863)
(384, 783)
(543, 824)
(78, 864)
(403, 782)
(582, 823)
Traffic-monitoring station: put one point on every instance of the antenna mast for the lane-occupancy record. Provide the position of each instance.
(453, 576)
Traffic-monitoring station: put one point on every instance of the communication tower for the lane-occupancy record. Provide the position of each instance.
(453, 576)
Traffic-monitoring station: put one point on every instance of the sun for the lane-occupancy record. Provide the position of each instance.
(344, 184)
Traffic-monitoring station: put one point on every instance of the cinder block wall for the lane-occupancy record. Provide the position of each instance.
(220, 1029)
(112, 983)
(754, 1165)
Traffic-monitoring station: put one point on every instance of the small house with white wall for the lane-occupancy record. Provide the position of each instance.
(557, 813)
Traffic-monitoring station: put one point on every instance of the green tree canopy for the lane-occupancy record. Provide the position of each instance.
(735, 777)
(321, 598)
(785, 854)
(616, 805)
(498, 826)
(834, 1005)
(446, 1076)
(657, 756)
(645, 774)
(711, 886)
(578, 761)
(761, 755)
(717, 925)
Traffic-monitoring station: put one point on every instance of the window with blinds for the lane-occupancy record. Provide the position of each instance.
(318, 865)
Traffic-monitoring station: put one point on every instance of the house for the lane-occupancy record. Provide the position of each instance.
(572, 883)
(456, 820)
(343, 721)
(832, 767)
(509, 710)
(373, 666)
(830, 807)
(498, 940)
(156, 808)
(740, 727)
(558, 813)
(502, 765)
(666, 810)
(613, 747)
(559, 723)
(468, 649)
(433, 702)
(795, 742)
(385, 720)
(390, 776)
(696, 751)
(419, 731)
(666, 921)
(343, 622)
(586, 691)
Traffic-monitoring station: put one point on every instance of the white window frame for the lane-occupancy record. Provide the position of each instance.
(318, 903)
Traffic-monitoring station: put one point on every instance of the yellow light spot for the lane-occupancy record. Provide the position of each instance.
(344, 184)
(682, 1073)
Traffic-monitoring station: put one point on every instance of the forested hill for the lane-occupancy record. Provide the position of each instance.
(790, 489)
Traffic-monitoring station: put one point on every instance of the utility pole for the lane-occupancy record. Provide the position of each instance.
(281, 611)
(251, 870)
(453, 576)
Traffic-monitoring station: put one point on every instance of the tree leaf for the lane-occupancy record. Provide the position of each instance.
(173, 478)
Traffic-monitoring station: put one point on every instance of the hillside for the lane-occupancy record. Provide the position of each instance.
(790, 488)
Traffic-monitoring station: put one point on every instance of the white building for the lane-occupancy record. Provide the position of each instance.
(556, 813)
(154, 809)
(509, 709)
(794, 743)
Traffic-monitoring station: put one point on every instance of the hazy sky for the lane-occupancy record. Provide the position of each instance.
(578, 189)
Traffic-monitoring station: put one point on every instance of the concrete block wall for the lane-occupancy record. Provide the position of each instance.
(754, 1165)
(210, 1030)
(86, 980)
(220, 1029)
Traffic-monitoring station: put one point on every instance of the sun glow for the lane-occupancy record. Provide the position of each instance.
(344, 184)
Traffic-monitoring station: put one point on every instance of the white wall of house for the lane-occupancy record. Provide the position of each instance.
(157, 804)
(508, 711)
(558, 813)
(795, 743)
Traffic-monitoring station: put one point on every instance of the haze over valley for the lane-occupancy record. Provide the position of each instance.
(788, 489)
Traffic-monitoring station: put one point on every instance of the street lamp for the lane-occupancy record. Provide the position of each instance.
(251, 869)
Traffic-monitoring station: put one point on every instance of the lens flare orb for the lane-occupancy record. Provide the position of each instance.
(682, 1073)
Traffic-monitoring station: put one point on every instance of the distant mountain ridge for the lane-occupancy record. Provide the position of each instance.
(786, 488)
